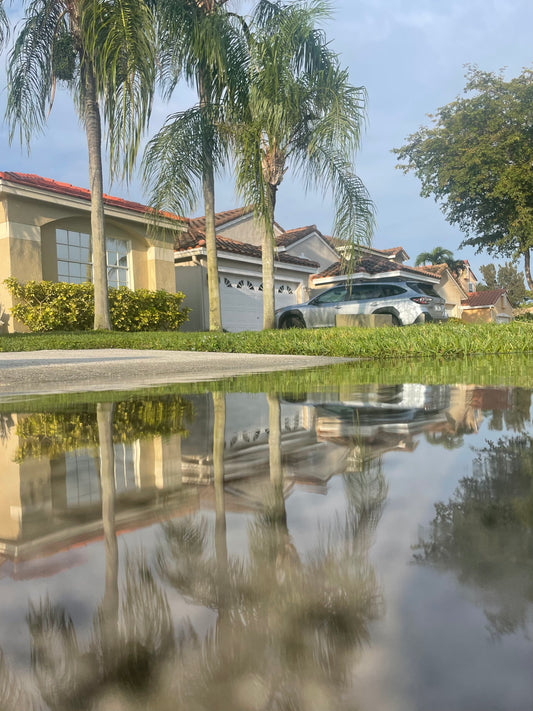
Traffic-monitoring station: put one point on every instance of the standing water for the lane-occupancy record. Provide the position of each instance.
(345, 538)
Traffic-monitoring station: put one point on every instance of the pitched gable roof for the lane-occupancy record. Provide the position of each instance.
(68, 190)
(290, 237)
(488, 297)
(393, 252)
(221, 218)
(196, 240)
(369, 264)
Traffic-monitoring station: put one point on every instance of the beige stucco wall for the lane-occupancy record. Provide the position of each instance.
(485, 315)
(28, 244)
(314, 248)
(245, 230)
(453, 295)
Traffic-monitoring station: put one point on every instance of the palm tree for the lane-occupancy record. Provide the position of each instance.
(438, 255)
(201, 42)
(302, 114)
(104, 51)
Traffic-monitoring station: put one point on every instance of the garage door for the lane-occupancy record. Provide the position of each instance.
(241, 301)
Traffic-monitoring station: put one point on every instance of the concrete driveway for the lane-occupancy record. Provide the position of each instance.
(44, 372)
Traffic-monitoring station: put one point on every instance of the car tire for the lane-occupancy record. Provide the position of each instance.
(292, 321)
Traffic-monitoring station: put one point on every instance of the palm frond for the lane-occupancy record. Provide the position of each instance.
(119, 38)
(4, 25)
(29, 70)
(174, 160)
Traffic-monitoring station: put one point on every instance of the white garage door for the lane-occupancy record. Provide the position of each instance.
(241, 301)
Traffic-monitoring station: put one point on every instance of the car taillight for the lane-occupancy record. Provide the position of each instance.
(422, 299)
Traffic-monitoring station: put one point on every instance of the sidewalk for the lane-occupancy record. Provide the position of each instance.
(45, 372)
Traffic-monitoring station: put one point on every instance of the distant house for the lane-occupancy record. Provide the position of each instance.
(451, 287)
(45, 232)
(491, 305)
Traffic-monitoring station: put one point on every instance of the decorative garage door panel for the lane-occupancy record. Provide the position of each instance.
(241, 301)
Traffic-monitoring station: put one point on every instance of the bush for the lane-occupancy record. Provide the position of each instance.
(58, 306)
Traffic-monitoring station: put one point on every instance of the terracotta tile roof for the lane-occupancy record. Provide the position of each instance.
(196, 240)
(221, 218)
(291, 236)
(368, 264)
(437, 269)
(393, 251)
(486, 297)
(54, 186)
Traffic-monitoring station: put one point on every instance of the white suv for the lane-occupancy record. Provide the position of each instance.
(407, 302)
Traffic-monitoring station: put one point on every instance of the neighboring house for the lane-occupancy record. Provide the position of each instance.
(299, 254)
(491, 305)
(45, 235)
(450, 287)
(372, 264)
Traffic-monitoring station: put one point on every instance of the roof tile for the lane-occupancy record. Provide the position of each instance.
(487, 297)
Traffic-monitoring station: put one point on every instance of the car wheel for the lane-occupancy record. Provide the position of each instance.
(292, 321)
(395, 320)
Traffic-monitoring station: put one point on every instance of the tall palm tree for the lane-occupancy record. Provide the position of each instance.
(103, 50)
(201, 42)
(302, 114)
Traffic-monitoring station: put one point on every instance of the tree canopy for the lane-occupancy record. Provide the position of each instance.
(476, 160)
(506, 277)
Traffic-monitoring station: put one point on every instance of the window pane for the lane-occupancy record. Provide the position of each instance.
(111, 258)
(61, 237)
(85, 240)
(123, 261)
(62, 251)
(74, 254)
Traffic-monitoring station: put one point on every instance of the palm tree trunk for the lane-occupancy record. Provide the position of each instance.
(104, 417)
(527, 268)
(208, 186)
(267, 253)
(221, 544)
(93, 130)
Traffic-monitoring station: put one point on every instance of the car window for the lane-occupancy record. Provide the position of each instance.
(422, 288)
(392, 290)
(331, 296)
(361, 292)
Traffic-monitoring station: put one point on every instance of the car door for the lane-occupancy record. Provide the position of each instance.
(361, 299)
(321, 311)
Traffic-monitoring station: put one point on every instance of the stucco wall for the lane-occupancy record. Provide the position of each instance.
(28, 243)
(315, 249)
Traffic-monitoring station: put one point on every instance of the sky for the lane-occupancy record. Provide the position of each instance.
(410, 55)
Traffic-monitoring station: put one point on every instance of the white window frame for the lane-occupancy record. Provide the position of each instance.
(72, 253)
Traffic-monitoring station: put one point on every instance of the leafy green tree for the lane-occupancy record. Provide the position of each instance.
(484, 533)
(201, 42)
(303, 114)
(507, 277)
(103, 50)
(476, 161)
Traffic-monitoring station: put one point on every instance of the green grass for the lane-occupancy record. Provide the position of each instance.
(424, 341)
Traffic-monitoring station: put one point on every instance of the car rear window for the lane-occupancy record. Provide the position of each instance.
(392, 290)
(423, 288)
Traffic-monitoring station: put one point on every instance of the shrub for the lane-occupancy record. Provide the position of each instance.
(58, 306)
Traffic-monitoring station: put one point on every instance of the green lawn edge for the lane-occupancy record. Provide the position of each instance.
(424, 341)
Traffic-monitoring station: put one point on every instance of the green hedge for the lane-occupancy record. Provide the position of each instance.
(58, 306)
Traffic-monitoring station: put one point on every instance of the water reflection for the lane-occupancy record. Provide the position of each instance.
(234, 595)
(484, 533)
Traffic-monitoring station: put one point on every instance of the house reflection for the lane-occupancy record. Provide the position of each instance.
(164, 467)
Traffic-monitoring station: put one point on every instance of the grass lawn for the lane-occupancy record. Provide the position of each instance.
(428, 340)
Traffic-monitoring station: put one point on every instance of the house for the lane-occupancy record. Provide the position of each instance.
(44, 235)
(371, 264)
(451, 287)
(490, 306)
(299, 254)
